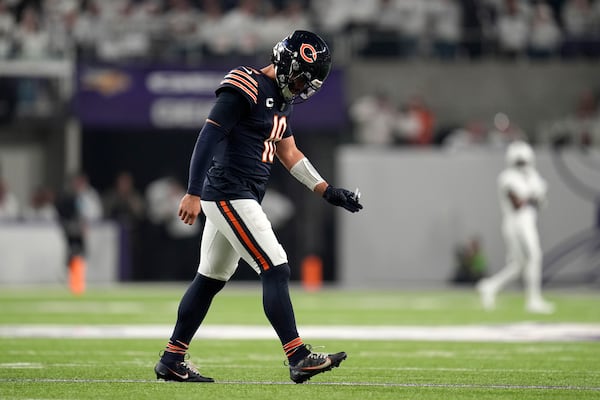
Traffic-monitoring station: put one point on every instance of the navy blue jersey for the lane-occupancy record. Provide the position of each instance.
(242, 163)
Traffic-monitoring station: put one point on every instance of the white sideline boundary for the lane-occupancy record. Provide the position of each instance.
(517, 332)
(312, 383)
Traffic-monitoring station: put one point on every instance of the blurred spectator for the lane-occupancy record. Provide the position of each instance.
(126, 33)
(7, 27)
(78, 206)
(582, 127)
(182, 20)
(331, 15)
(446, 28)
(296, 15)
(274, 24)
(123, 202)
(170, 244)
(415, 123)
(88, 29)
(472, 135)
(159, 199)
(383, 35)
(41, 206)
(211, 32)
(277, 23)
(408, 125)
(475, 19)
(578, 19)
(58, 18)
(125, 205)
(88, 200)
(546, 36)
(278, 207)
(513, 29)
(336, 16)
(374, 118)
(9, 204)
(32, 42)
(242, 25)
(412, 25)
(471, 263)
(163, 197)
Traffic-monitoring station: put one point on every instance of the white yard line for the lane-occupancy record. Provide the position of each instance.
(518, 332)
(372, 384)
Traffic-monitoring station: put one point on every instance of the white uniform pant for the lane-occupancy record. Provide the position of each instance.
(237, 229)
(523, 255)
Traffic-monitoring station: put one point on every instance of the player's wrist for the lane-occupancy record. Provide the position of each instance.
(194, 192)
(321, 188)
(305, 173)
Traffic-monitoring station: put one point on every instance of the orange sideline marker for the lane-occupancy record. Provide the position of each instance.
(77, 275)
(312, 273)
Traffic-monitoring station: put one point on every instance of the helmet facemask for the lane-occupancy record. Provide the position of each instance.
(302, 62)
(300, 87)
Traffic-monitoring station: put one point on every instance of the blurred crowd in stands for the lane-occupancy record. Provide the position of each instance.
(378, 120)
(197, 30)
(149, 215)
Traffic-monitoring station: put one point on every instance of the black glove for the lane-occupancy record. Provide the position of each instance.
(342, 198)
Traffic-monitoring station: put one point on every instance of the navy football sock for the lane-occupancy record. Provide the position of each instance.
(174, 352)
(278, 309)
(192, 309)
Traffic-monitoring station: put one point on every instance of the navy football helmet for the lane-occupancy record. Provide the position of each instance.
(302, 63)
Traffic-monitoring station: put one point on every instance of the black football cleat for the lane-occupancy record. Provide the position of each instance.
(180, 372)
(313, 364)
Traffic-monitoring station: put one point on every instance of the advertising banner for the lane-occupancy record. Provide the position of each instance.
(157, 98)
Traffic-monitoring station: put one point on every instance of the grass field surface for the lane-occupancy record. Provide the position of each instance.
(66, 363)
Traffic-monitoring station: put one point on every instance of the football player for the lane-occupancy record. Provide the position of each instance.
(522, 191)
(246, 130)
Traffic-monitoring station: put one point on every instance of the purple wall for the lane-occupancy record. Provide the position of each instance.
(151, 97)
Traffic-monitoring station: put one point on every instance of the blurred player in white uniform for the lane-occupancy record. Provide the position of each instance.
(522, 191)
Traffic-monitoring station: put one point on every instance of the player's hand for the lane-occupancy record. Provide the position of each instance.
(189, 208)
(534, 202)
(343, 198)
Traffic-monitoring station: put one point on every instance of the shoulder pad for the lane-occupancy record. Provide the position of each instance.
(243, 80)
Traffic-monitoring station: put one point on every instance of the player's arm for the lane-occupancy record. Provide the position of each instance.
(518, 202)
(301, 168)
(515, 200)
(225, 114)
(535, 202)
(539, 200)
(292, 158)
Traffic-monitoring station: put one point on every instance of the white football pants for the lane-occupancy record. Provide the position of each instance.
(523, 255)
(237, 229)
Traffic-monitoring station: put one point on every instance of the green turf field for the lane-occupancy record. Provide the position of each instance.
(101, 368)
